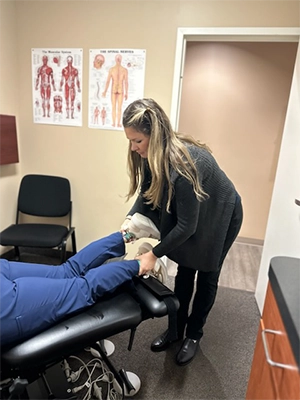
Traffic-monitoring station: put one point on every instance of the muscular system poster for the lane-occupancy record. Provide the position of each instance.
(116, 78)
(57, 86)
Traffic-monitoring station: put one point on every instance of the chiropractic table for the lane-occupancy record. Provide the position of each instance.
(30, 368)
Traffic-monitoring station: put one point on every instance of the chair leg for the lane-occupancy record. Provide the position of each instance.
(17, 253)
(63, 252)
(74, 243)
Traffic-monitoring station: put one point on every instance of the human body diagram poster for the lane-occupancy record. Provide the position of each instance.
(57, 86)
(116, 79)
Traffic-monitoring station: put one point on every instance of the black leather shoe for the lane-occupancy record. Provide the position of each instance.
(162, 342)
(187, 352)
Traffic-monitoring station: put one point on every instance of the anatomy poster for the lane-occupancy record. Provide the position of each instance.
(57, 86)
(116, 79)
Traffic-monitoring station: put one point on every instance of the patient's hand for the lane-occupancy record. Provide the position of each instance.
(147, 262)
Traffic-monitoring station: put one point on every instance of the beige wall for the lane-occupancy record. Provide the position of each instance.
(9, 82)
(234, 98)
(95, 161)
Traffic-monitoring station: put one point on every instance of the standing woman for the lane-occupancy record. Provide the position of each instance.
(194, 205)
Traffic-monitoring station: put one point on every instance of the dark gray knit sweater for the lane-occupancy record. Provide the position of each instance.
(193, 233)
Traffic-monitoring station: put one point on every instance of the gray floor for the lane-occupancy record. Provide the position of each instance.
(240, 268)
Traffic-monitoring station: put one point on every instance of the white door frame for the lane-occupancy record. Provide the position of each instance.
(219, 34)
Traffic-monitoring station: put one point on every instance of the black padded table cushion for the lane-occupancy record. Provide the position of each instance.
(151, 298)
(105, 318)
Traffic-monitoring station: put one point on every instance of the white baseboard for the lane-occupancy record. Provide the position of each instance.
(255, 242)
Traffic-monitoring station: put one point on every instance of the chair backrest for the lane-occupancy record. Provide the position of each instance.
(44, 195)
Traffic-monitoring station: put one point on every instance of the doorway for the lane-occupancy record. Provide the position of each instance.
(234, 98)
(283, 229)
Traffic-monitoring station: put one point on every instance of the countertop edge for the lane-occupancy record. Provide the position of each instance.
(291, 329)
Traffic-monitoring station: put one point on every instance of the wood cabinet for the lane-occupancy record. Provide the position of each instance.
(279, 378)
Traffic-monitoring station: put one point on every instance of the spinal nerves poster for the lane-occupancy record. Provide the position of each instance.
(116, 78)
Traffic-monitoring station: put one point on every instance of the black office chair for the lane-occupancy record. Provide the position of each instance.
(42, 196)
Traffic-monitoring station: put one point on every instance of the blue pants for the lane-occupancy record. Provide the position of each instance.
(35, 296)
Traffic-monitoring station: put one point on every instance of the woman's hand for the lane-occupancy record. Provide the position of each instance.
(147, 262)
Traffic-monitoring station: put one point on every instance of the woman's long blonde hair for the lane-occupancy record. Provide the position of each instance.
(166, 149)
